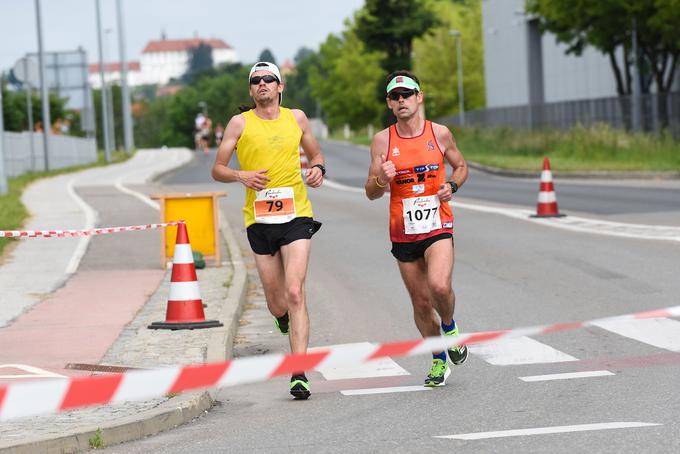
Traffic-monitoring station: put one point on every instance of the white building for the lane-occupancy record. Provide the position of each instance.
(163, 60)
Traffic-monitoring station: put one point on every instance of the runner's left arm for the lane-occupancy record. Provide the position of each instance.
(455, 159)
(313, 175)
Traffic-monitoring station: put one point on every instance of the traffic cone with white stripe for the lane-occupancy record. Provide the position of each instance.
(304, 163)
(185, 307)
(547, 201)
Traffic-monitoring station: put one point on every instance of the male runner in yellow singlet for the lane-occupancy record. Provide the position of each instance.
(409, 158)
(278, 215)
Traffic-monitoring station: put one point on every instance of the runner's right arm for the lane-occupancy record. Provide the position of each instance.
(254, 179)
(381, 171)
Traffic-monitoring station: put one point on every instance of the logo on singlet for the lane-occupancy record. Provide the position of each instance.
(430, 145)
(419, 169)
(395, 151)
(433, 167)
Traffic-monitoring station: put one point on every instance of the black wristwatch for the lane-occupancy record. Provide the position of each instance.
(323, 169)
(454, 186)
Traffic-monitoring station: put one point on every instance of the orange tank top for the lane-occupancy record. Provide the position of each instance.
(415, 209)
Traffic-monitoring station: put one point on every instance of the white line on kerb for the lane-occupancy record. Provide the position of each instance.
(567, 376)
(548, 430)
(393, 389)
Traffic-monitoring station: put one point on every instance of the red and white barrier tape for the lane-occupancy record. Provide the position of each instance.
(56, 395)
(80, 232)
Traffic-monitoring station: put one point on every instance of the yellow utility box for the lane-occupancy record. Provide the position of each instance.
(201, 213)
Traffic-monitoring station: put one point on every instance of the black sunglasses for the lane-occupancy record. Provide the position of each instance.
(395, 95)
(268, 78)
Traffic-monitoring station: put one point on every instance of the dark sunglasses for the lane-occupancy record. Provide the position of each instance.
(395, 95)
(255, 80)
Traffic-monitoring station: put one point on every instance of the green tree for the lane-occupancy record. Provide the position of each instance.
(346, 80)
(267, 55)
(200, 59)
(298, 92)
(14, 109)
(607, 25)
(435, 58)
(390, 26)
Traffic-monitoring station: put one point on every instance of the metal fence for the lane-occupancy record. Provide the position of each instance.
(24, 152)
(657, 112)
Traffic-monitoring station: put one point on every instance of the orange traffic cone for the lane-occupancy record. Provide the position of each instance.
(547, 202)
(185, 307)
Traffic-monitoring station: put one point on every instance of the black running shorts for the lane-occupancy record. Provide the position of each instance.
(268, 238)
(410, 252)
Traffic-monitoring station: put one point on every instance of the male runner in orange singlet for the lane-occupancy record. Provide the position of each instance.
(408, 157)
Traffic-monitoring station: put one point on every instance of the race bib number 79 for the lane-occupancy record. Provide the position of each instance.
(274, 206)
(421, 214)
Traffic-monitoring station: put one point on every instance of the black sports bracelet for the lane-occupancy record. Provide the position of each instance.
(323, 169)
(454, 186)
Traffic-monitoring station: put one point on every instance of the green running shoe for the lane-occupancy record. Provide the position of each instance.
(282, 323)
(459, 353)
(299, 387)
(439, 373)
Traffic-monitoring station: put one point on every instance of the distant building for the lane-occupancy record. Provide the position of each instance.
(522, 67)
(287, 67)
(169, 58)
(163, 60)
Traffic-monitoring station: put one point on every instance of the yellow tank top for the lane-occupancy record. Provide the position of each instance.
(273, 145)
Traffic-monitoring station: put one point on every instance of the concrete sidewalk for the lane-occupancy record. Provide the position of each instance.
(90, 300)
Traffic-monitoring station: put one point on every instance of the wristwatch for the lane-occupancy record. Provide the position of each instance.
(323, 169)
(454, 186)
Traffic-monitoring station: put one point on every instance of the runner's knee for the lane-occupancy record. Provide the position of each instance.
(295, 295)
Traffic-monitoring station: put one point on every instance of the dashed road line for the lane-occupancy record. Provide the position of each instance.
(567, 376)
(548, 430)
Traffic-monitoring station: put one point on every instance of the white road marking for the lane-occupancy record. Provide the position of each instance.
(548, 430)
(519, 350)
(383, 367)
(33, 372)
(392, 389)
(91, 217)
(659, 332)
(572, 223)
(567, 376)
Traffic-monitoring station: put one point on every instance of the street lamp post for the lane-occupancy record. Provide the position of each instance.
(109, 90)
(461, 95)
(104, 97)
(128, 136)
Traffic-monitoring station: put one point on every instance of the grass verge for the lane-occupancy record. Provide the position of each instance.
(599, 148)
(13, 213)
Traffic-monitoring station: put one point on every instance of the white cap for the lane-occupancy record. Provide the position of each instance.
(265, 66)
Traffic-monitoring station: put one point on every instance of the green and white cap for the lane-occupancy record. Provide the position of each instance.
(402, 82)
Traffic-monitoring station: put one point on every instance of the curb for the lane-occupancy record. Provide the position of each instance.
(176, 410)
(596, 174)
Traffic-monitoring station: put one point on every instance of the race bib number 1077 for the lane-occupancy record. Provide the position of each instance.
(421, 214)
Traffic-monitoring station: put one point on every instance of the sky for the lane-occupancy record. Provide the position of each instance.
(248, 26)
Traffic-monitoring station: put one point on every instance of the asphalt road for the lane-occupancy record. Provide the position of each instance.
(508, 273)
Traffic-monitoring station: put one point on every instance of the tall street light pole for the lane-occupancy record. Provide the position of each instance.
(461, 96)
(3, 177)
(128, 137)
(44, 94)
(104, 97)
(109, 90)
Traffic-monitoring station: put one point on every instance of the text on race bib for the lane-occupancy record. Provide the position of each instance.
(421, 214)
(274, 206)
